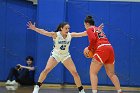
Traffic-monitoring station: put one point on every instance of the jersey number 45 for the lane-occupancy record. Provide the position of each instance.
(63, 47)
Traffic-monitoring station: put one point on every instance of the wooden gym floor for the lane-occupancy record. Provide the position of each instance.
(51, 88)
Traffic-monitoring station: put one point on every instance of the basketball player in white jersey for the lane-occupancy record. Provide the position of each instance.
(62, 38)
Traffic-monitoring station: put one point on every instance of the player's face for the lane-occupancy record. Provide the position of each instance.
(29, 61)
(86, 25)
(65, 29)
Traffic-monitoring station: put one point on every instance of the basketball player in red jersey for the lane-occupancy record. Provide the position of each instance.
(103, 54)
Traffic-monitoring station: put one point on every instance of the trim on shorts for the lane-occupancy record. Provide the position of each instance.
(99, 58)
(103, 45)
(66, 59)
(114, 62)
(54, 58)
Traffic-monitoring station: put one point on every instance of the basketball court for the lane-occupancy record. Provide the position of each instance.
(121, 19)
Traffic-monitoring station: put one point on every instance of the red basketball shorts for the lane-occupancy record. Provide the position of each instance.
(105, 54)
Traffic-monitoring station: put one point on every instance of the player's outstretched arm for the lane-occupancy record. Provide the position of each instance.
(80, 34)
(38, 30)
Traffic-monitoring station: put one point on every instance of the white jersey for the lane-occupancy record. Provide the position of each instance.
(61, 45)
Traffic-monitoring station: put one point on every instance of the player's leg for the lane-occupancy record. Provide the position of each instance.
(111, 74)
(50, 65)
(13, 72)
(95, 66)
(109, 67)
(68, 63)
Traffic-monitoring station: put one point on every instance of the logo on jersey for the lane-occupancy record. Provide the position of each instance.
(63, 42)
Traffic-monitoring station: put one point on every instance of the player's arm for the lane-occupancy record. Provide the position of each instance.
(91, 37)
(80, 34)
(101, 26)
(29, 68)
(26, 67)
(38, 30)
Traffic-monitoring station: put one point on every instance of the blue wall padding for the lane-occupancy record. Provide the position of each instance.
(2, 39)
(134, 46)
(118, 37)
(14, 42)
(118, 18)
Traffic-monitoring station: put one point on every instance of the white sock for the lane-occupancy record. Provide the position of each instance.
(94, 91)
(119, 90)
(82, 90)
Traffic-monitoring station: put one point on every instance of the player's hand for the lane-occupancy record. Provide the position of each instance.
(31, 26)
(86, 51)
(18, 67)
(101, 27)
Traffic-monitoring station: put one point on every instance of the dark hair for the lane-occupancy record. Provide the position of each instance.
(61, 25)
(89, 20)
(29, 57)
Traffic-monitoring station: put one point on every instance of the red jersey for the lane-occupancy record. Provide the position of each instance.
(96, 38)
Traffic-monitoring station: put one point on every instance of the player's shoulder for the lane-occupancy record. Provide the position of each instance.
(57, 33)
(69, 33)
(92, 28)
(54, 35)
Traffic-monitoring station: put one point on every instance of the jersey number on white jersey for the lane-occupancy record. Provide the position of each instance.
(63, 47)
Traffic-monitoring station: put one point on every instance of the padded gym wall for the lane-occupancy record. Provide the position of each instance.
(121, 20)
(16, 42)
(2, 38)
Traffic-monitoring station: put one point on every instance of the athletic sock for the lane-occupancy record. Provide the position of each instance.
(39, 84)
(80, 88)
(94, 91)
(119, 91)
